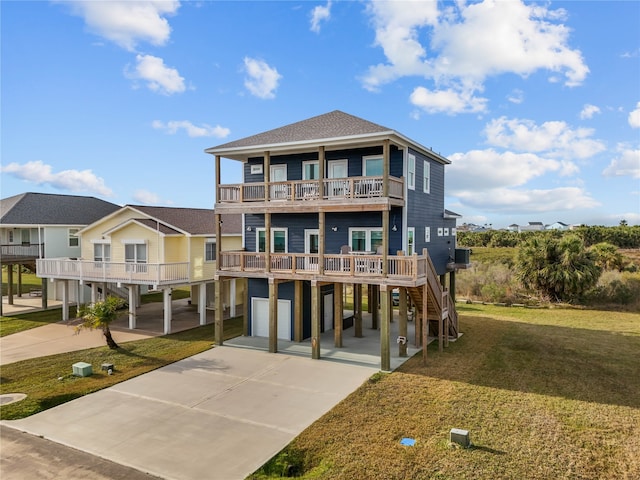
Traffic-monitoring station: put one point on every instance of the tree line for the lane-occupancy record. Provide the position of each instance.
(622, 236)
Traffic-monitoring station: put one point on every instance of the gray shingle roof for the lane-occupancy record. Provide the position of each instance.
(195, 221)
(52, 209)
(334, 124)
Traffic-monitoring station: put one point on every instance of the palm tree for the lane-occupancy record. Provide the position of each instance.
(560, 269)
(100, 315)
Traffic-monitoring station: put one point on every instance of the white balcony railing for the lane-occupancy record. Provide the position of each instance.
(347, 265)
(302, 190)
(133, 273)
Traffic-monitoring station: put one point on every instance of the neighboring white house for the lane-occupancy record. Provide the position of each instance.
(558, 226)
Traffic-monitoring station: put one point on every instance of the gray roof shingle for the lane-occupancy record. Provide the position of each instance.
(334, 124)
(195, 221)
(53, 209)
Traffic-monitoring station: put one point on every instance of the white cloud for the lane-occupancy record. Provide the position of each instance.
(516, 201)
(470, 42)
(319, 14)
(72, 180)
(149, 198)
(588, 111)
(172, 127)
(555, 138)
(125, 22)
(261, 80)
(626, 164)
(517, 96)
(488, 169)
(446, 101)
(157, 75)
(634, 117)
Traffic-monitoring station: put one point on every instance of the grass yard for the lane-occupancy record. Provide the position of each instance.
(545, 394)
(48, 381)
(29, 320)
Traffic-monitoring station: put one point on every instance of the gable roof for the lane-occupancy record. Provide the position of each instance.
(52, 209)
(194, 221)
(332, 129)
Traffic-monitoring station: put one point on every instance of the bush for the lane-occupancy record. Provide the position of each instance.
(615, 288)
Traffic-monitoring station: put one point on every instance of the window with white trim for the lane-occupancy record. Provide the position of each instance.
(279, 240)
(411, 171)
(310, 170)
(426, 177)
(210, 250)
(74, 240)
(372, 166)
(427, 234)
(135, 253)
(101, 252)
(365, 239)
(411, 240)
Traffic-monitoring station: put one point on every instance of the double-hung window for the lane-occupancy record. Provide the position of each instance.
(74, 240)
(210, 250)
(136, 254)
(101, 252)
(372, 166)
(411, 171)
(426, 177)
(278, 240)
(365, 239)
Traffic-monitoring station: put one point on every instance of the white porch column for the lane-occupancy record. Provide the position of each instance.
(202, 303)
(94, 292)
(166, 296)
(232, 298)
(133, 300)
(65, 300)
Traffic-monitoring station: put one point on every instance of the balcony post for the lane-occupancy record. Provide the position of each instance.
(315, 319)
(218, 329)
(132, 306)
(267, 242)
(267, 175)
(402, 323)
(65, 300)
(298, 313)
(321, 172)
(321, 242)
(357, 309)
(273, 315)
(425, 322)
(218, 181)
(385, 344)
(338, 314)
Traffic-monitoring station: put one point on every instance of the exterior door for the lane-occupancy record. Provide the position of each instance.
(260, 318)
(337, 169)
(327, 321)
(278, 173)
(311, 247)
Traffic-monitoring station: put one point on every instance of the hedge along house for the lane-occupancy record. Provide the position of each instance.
(335, 200)
(140, 248)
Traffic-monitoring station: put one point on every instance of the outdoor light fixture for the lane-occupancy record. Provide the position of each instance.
(335, 229)
(249, 228)
(394, 228)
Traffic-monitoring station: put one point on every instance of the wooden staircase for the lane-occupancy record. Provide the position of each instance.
(441, 309)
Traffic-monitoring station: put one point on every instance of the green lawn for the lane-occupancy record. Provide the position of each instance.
(48, 381)
(545, 394)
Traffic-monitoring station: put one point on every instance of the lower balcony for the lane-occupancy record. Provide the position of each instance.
(113, 272)
(345, 268)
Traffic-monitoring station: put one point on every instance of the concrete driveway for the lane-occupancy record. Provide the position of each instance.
(218, 415)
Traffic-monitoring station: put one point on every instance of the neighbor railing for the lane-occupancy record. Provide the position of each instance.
(33, 250)
(301, 190)
(135, 273)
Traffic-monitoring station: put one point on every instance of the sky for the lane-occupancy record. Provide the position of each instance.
(536, 104)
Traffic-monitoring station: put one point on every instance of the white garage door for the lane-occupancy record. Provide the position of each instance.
(260, 318)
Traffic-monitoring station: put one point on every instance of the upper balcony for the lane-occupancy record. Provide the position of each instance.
(355, 267)
(156, 274)
(15, 253)
(329, 194)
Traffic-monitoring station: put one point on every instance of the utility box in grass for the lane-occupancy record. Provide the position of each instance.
(460, 437)
(82, 369)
